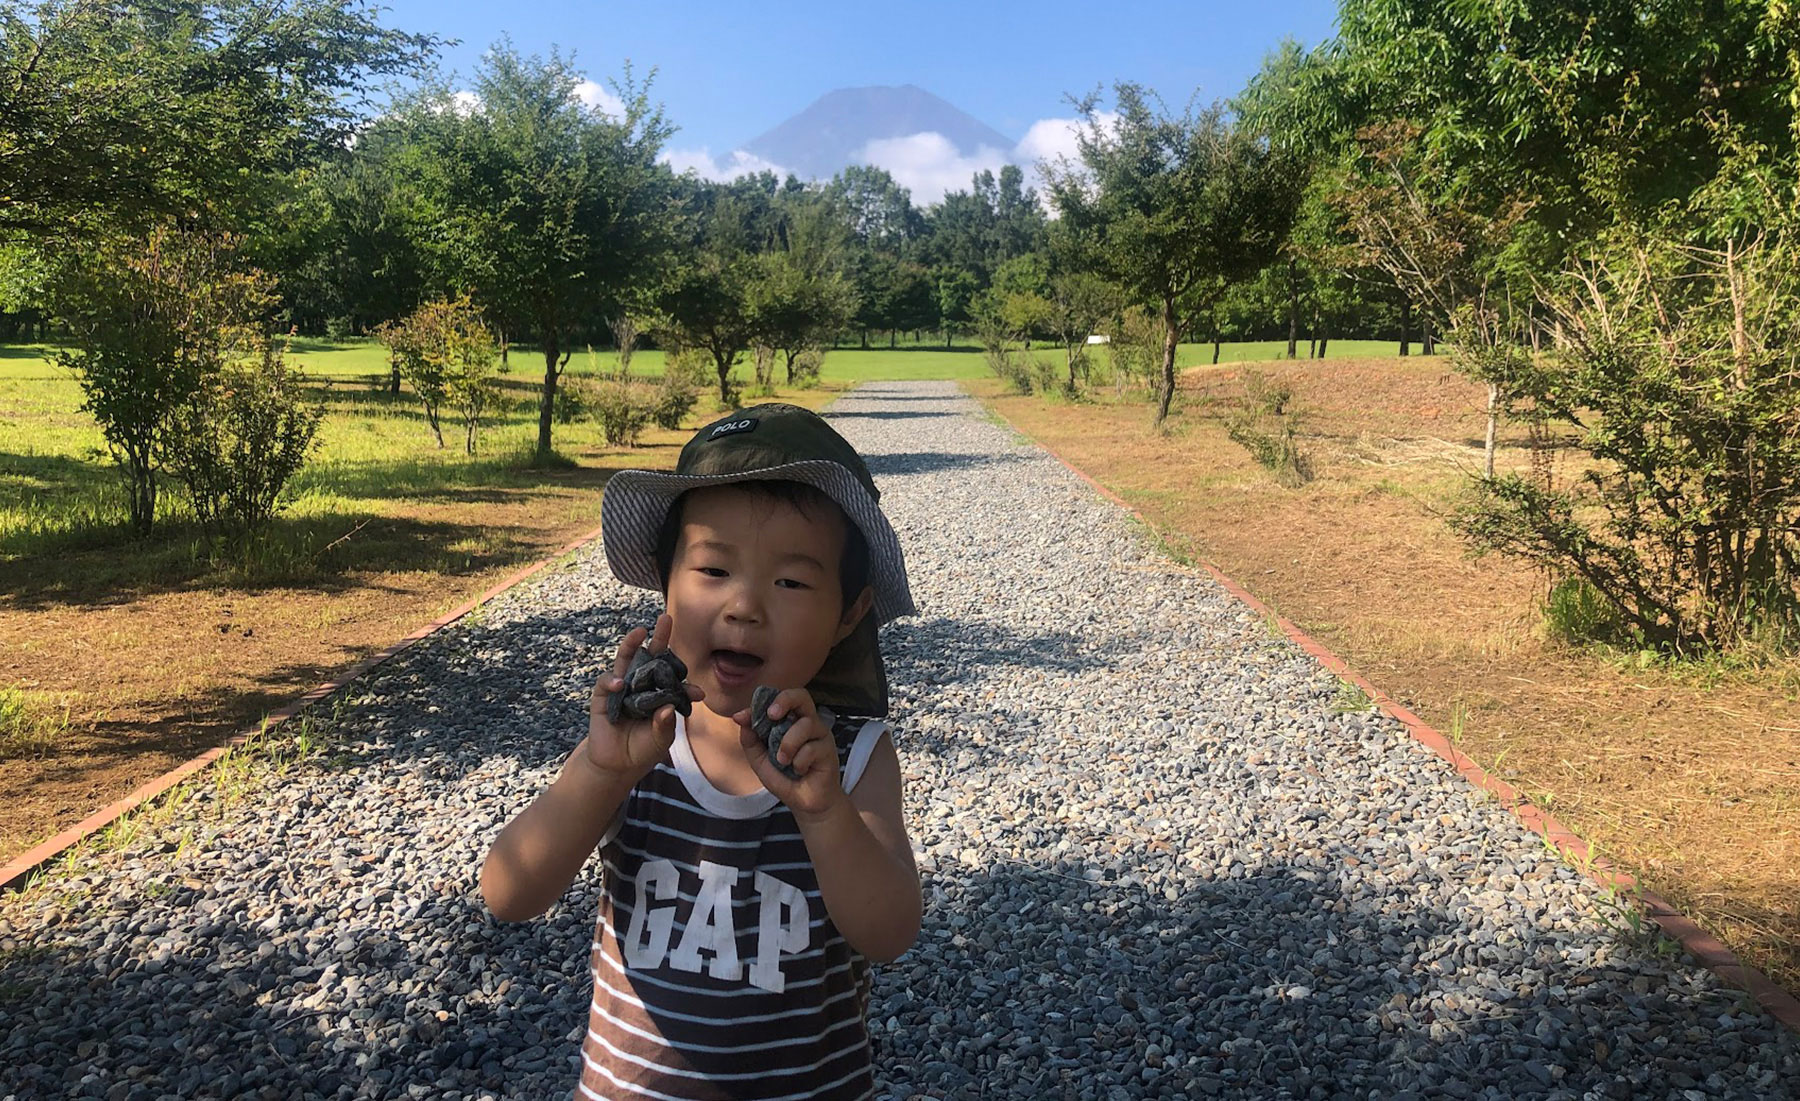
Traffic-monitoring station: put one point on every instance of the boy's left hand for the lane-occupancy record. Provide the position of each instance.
(808, 749)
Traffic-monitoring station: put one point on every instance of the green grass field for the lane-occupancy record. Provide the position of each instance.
(59, 490)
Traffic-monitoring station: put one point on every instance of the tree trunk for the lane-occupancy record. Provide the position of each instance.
(1216, 342)
(1168, 363)
(1493, 418)
(1293, 313)
(724, 367)
(865, 339)
(1427, 339)
(946, 338)
(1072, 368)
(547, 401)
(1406, 326)
(394, 378)
(1312, 347)
(893, 337)
(143, 492)
(1324, 340)
(789, 353)
(503, 347)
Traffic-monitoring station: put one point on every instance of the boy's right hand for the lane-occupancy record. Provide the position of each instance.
(631, 748)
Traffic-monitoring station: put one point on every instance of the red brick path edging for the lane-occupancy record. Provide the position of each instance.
(1701, 945)
(18, 872)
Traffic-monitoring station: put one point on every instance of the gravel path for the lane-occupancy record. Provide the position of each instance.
(1158, 862)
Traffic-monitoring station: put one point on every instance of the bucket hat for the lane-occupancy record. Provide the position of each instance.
(772, 442)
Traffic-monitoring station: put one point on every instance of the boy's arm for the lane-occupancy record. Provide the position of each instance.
(537, 855)
(864, 861)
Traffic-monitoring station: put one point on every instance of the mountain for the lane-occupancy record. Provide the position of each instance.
(821, 140)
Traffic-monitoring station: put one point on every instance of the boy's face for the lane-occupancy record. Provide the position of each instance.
(755, 593)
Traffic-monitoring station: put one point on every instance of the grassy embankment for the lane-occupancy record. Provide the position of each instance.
(1686, 773)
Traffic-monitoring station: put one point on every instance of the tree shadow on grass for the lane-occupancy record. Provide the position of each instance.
(318, 554)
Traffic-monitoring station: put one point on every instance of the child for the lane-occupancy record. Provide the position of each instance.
(739, 907)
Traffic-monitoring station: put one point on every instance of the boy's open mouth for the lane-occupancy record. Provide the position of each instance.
(735, 666)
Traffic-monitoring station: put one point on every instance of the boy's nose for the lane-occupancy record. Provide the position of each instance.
(743, 607)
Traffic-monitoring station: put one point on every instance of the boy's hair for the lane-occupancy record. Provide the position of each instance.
(853, 564)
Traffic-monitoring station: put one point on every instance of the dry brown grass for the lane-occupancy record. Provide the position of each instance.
(153, 674)
(1687, 776)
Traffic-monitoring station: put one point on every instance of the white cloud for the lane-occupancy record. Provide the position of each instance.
(701, 163)
(464, 102)
(1050, 139)
(928, 164)
(600, 99)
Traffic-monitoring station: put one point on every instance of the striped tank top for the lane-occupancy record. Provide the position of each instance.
(717, 973)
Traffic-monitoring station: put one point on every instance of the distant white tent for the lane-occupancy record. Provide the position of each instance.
(1099, 338)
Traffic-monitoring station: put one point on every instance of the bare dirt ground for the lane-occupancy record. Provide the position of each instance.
(154, 677)
(1689, 776)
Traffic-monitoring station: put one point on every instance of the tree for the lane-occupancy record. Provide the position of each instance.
(1173, 209)
(445, 352)
(1079, 301)
(953, 293)
(711, 300)
(553, 213)
(150, 323)
(128, 113)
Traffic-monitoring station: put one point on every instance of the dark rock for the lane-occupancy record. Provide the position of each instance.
(770, 731)
(652, 681)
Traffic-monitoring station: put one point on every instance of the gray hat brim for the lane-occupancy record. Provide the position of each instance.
(637, 501)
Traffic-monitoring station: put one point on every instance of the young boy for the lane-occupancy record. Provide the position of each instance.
(740, 907)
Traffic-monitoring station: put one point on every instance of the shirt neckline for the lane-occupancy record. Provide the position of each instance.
(681, 754)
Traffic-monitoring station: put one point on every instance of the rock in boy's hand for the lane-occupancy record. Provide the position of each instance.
(631, 747)
(808, 749)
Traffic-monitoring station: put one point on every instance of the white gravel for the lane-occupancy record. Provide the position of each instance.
(1158, 863)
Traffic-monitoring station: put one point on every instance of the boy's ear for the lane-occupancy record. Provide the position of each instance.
(853, 614)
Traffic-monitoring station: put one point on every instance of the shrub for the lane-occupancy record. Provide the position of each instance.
(1678, 376)
(623, 409)
(1044, 374)
(239, 440)
(1135, 350)
(150, 321)
(806, 366)
(1265, 425)
(448, 357)
(1575, 611)
(674, 399)
(574, 399)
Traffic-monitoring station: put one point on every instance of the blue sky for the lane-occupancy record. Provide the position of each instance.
(729, 71)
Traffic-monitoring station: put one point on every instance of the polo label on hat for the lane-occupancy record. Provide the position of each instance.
(732, 428)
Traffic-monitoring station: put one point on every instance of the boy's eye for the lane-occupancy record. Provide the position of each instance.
(790, 583)
(713, 571)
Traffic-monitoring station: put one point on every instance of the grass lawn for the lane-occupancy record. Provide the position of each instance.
(1686, 774)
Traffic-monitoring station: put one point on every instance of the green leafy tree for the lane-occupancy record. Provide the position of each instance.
(446, 354)
(1173, 209)
(150, 323)
(238, 440)
(953, 293)
(552, 213)
(129, 112)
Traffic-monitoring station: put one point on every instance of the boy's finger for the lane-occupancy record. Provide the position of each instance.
(792, 701)
(808, 758)
(659, 638)
(696, 693)
(803, 734)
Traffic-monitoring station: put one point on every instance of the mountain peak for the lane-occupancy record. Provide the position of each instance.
(834, 130)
